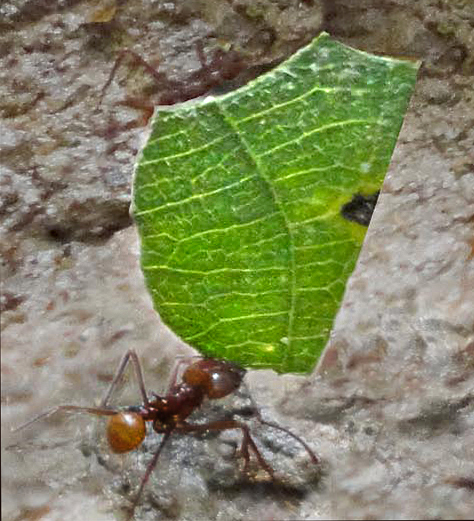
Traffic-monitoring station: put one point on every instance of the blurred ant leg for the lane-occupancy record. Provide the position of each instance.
(67, 408)
(179, 361)
(148, 472)
(129, 356)
(247, 441)
(139, 104)
(201, 56)
(258, 414)
(137, 58)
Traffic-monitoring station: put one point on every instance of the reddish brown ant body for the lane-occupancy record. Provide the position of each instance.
(206, 378)
(223, 66)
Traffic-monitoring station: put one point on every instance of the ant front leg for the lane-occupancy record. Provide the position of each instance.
(130, 356)
(247, 441)
(183, 359)
(258, 414)
(310, 452)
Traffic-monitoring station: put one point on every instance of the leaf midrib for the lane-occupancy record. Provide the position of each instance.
(292, 264)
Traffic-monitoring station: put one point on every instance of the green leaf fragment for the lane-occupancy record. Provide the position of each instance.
(238, 198)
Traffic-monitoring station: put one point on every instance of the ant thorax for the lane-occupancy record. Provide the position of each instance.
(168, 411)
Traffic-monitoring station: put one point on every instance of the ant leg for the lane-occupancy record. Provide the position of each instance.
(258, 414)
(247, 441)
(137, 58)
(67, 408)
(184, 359)
(133, 357)
(148, 472)
(201, 56)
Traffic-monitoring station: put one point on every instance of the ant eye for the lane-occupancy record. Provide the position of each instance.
(125, 431)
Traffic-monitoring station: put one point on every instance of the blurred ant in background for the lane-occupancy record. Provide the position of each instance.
(223, 66)
(206, 378)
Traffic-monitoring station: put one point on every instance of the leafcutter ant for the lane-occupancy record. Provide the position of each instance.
(205, 378)
(222, 66)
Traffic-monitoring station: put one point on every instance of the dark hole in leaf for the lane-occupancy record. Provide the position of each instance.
(360, 208)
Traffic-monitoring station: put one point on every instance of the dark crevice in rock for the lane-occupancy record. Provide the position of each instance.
(64, 233)
(438, 417)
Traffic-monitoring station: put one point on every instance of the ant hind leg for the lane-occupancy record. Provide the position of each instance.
(130, 356)
(98, 411)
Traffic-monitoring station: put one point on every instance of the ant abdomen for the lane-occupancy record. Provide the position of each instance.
(218, 378)
(125, 431)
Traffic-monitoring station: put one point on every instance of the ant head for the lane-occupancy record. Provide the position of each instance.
(125, 431)
(218, 378)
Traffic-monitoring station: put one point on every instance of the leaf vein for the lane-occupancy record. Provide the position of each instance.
(188, 152)
(195, 197)
(323, 128)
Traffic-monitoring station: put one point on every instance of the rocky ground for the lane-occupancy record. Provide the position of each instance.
(390, 409)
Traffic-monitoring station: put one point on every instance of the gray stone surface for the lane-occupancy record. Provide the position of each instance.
(390, 409)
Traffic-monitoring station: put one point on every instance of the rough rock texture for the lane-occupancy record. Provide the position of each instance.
(390, 408)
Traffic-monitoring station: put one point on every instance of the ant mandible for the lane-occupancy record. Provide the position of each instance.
(206, 378)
